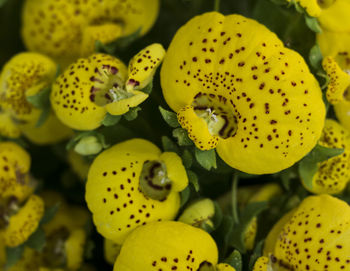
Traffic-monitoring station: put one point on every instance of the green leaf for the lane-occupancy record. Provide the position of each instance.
(249, 212)
(132, 113)
(185, 195)
(37, 240)
(313, 24)
(182, 137)
(41, 99)
(235, 260)
(148, 89)
(207, 159)
(50, 213)
(111, 120)
(257, 252)
(315, 57)
(13, 254)
(169, 145)
(187, 159)
(193, 179)
(308, 166)
(169, 117)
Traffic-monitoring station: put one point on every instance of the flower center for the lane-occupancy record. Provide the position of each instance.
(325, 3)
(154, 182)
(217, 113)
(206, 266)
(54, 250)
(108, 86)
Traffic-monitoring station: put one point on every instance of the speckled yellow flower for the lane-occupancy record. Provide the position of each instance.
(66, 30)
(333, 174)
(15, 180)
(25, 220)
(168, 245)
(333, 15)
(131, 184)
(24, 75)
(314, 236)
(236, 88)
(92, 87)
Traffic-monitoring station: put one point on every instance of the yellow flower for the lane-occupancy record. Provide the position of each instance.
(23, 223)
(131, 184)
(333, 174)
(199, 213)
(313, 236)
(224, 267)
(92, 87)
(66, 30)
(167, 245)
(15, 180)
(262, 264)
(236, 87)
(25, 75)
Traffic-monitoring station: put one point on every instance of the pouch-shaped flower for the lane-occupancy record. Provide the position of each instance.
(24, 75)
(14, 172)
(92, 87)
(131, 184)
(314, 236)
(333, 174)
(167, 245)
(66, 30)
(24, 222)
(236, 88)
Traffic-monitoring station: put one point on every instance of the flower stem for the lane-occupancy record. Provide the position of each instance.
(217, 5)
(234, 198)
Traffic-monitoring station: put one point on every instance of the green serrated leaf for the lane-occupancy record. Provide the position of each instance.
(182, 137)
(111, 120)
(207, 159)
(148, 89)
(308, 166)
(185, 195)
(13, 255)
(169, 117)
(169, 145)
(315, 57)
(37, 240)
(49, 213)
(41, 99)
(193, 179)
(313, 24)
(187, 159)
(249, 212)
(235, 260)
(132, 113)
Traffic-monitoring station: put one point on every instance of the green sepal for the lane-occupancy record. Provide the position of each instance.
(132, 113)
(187, 159)
(37, 240)
(13, 255)
(207, 159)
(169, 117)
(235, 260)
(182, 137)
(148, 89)
(308, 166)
(41, 99)
(169, 145)
(49, 213)
(81, 135)
(257, 252)
(313, 24)
(316, 57)
(111, 120)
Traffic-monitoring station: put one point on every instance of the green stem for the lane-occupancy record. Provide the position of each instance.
(217, 5)
(234, 198)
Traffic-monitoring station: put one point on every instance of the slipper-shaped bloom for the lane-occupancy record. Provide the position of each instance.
(24, 75)
(131, 184)
(236, 88)
(168, 245)
(333, 15)
(66, 30)
(333, 174)
(92, 87)
(23, 222)
(15, 180)
(314, 236)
